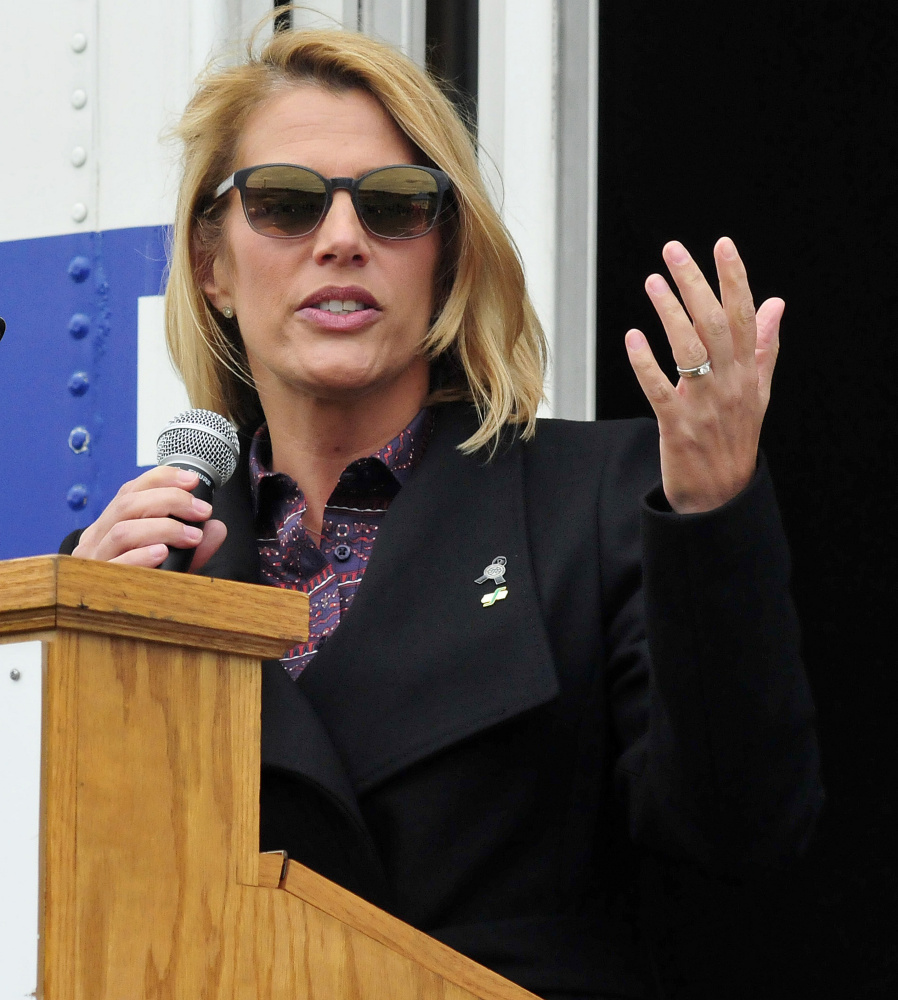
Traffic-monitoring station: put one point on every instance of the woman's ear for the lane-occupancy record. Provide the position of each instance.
(209, 260)
(215, 282)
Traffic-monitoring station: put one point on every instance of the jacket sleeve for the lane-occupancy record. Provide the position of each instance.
(717, 756)
(70, 542)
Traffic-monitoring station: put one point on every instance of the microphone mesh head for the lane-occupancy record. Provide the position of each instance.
(201, 435)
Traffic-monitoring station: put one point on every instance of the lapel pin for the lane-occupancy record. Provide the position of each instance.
(499, 594)
(495, 571)
(495, 574)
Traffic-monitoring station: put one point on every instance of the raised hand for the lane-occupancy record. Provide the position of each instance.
(710, 421)
(139, 524)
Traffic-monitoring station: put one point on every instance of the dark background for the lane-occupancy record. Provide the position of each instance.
(776, 124)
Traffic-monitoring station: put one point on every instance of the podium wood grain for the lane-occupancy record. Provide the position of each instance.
(152, 884)
(175, 608)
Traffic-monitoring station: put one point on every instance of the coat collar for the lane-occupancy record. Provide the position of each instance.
(418, 663)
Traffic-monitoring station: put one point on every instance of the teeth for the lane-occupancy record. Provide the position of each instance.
(341, 306)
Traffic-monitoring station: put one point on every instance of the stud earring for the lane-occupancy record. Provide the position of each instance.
(228, 312)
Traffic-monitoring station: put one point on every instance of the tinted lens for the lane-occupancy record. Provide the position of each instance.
(284, 200)
(398, 203)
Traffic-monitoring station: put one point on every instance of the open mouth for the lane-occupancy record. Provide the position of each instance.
(341, 306)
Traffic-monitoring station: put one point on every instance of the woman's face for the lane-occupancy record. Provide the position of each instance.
(277, 287)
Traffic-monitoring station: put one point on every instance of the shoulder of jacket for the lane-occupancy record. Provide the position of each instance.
(558, 439)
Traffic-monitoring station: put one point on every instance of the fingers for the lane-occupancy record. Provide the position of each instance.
(689, 349)
(708, 328)
(770, 314)
(654, 383)
(140, 522)
(707, 334)
(737, 300)
(128, 541)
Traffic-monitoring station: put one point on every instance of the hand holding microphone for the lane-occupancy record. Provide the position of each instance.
(164, 516)
(204, 443)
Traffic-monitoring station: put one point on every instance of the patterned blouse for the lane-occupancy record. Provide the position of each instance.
(329, 572)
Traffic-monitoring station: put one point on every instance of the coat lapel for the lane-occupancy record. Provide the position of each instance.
(419, 663)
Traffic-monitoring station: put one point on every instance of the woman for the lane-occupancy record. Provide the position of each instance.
(552, 657)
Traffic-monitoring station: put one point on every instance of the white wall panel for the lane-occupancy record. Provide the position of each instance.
(144, 77)
(402, 23)
(217, 26)
(537, 128)
(328, 14)
(577, 145)
(20, 768)
(39, 74)
(160, 391)
(516, 130)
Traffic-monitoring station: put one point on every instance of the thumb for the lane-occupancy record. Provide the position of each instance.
(214, 533)
(769, 316)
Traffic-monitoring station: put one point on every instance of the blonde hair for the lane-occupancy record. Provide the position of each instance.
(485, 338)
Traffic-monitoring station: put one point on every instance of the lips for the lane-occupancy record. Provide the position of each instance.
(338, 307)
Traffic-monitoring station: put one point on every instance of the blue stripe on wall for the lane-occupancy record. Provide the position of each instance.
(45, 285)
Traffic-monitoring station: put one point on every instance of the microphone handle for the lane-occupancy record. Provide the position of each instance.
(179, 560)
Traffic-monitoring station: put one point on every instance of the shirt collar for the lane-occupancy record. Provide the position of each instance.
(389, 467)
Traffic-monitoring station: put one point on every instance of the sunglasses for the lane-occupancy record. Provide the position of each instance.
(284, 201)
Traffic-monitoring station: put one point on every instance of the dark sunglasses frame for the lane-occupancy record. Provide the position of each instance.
(351, 184)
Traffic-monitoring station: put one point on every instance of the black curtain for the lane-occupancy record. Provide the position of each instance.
(776, 124)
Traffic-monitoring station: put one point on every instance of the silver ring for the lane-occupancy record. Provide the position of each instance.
(702, 369)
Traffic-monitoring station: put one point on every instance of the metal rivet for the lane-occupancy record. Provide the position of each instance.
(79, 211)
(79, 383)
(79, 42)
(79, 269)
(15, 674)
(77, 497)
(79, 440)
(79, 156)
(79, 324)
(79, 99)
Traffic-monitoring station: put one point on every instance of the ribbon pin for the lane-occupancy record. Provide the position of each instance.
(499, 594)
(495, 573)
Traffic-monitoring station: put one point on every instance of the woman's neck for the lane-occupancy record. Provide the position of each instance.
(314, 441)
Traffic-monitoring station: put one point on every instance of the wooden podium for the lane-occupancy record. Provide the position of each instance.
(152, 885)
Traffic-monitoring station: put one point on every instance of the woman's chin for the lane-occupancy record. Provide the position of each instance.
(344, 379)
(347, 385)
(370, 379)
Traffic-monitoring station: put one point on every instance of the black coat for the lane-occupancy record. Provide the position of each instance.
(481, 771)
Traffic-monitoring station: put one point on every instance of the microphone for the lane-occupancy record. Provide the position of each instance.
(205, 443)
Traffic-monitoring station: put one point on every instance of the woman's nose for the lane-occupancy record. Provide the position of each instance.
(341, 234)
